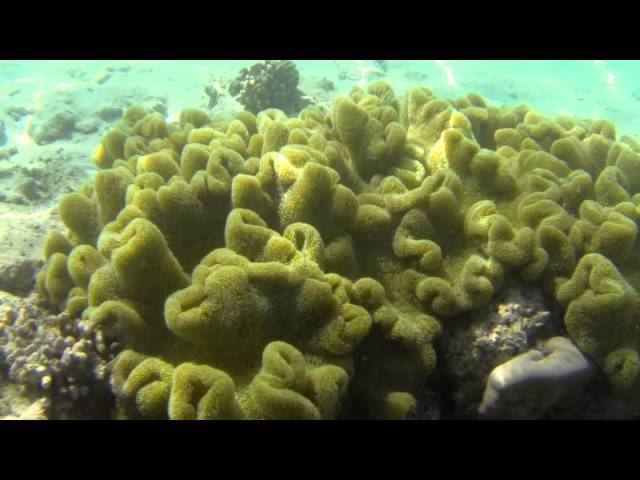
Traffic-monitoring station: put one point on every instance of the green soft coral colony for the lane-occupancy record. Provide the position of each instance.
(268, 267)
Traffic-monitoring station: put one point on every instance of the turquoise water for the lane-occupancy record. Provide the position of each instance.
(607, 89)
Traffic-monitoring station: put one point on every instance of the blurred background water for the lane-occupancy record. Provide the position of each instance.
(596, 89)
(35, 95)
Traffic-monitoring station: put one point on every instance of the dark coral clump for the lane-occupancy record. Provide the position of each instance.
(270, 84)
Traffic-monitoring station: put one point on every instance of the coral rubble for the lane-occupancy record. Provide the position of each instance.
(269, 266)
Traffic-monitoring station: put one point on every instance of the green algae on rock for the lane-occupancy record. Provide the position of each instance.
(276, 267)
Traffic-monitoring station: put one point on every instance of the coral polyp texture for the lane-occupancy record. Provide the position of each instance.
(276, 267)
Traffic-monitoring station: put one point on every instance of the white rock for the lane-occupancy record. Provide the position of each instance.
(529, 384)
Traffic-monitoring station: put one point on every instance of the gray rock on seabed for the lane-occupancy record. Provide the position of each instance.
(17, 274)
(109, 114)
(80, 110)
(42, 177)
(87, 127)
(529, 384)
(49, 127)
(102, 77)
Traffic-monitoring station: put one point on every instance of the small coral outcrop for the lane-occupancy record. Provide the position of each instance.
(269, 84)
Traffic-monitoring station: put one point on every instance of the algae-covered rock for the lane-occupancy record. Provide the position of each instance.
(48, 129)
(17, 275)
(109, 114)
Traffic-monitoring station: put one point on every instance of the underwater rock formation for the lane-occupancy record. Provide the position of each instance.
(527, 385)
(43, 179)
(55, 127)
(268, 266)
(17, 275)
(63, 113)
(269, 84)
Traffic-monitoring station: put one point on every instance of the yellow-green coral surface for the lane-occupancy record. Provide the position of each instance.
(266, 267)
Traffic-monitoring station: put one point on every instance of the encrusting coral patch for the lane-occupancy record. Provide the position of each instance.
(274, 267)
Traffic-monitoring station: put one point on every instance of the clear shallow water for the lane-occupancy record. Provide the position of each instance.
(597, 89)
